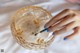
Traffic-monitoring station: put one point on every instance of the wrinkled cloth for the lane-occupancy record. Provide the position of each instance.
(9, 44)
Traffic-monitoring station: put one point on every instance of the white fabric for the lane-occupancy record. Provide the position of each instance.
(8, 43)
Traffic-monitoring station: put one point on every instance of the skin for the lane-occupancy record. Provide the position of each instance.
(64, 21)
(73, 1)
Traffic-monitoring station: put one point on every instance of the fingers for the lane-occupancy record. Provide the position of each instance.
(66, 28)
(75, 33)
(68, 19)
(58, 17)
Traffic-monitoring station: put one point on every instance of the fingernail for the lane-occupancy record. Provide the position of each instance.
(47, 30)
(53, 33)
(65, 38)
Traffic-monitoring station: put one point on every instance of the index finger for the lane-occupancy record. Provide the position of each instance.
(58, 17)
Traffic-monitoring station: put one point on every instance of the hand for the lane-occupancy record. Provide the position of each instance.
(73, 1)
(65, 21)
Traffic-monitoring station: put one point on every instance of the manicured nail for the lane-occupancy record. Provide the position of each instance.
(65, 38)
(46, 29)
(53, 33)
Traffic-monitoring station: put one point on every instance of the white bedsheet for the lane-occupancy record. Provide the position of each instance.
(9, 45)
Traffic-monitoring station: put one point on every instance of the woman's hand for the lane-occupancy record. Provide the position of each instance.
(65, 21)
(74, 1)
